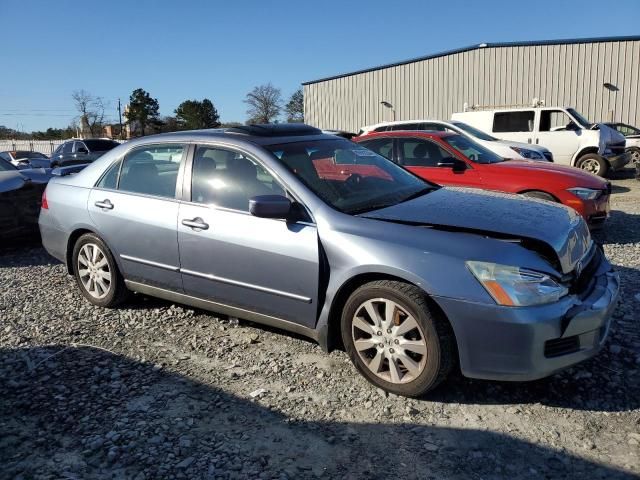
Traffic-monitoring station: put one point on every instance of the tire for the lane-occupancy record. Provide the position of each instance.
(90, 270)
(540, 195)
(593, 163)
(410, 373)
(635, 155)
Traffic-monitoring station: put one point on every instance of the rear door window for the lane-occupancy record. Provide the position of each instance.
(152, 170)
(514, 121)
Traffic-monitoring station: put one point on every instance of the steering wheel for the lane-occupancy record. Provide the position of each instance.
(353, 179)
(473, 157)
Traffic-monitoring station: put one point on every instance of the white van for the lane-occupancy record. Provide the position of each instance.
(505, 149)
(572, 139)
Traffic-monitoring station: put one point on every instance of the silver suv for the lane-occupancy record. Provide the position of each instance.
(317, 235)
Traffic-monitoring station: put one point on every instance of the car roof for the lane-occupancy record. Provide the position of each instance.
(402, 122)
(410, 133)
(259, 134)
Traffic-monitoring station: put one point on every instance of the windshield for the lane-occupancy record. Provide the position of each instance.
(349, 177)
(474, 132)
(6, 166)
(471, 150)
(581, 120)
(100, 145)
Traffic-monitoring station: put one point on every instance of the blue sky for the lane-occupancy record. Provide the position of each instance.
(179, 50)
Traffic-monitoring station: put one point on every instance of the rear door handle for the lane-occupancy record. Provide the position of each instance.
(106, 204)
(196, 224)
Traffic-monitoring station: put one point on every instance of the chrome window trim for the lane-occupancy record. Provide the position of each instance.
(213, 206)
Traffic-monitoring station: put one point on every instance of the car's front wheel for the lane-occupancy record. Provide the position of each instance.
(97, 273)
(593, 163)
(395, 340)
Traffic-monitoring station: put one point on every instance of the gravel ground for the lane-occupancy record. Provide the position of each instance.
(155, 390)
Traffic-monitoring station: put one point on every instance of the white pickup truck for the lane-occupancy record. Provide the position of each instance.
(572, 139)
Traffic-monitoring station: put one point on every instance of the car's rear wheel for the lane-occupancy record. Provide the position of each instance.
(593, 163)
(395, 340)
(539, 194)
(635, 155)
(97, 273)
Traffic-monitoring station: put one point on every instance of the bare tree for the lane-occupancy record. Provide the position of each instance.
(265, 103)
(91, 110)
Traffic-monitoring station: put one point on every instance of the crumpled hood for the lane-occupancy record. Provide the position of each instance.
(608, 136)
(502, 214)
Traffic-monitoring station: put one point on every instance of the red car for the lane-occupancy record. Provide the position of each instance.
(451, 159)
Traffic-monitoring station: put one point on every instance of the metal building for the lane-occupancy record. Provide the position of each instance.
(598, 76)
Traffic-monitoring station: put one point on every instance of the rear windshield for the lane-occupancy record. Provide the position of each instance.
(19, 154)
(100, 145)
(471, 150)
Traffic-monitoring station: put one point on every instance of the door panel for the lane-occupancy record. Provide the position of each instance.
(141, 231)
(263, 265)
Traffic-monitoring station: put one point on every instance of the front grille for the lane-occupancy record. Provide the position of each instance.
(579, 284)
(548, 156)
(561, 346)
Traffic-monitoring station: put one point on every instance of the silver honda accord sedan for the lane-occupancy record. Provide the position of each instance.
(311, 233)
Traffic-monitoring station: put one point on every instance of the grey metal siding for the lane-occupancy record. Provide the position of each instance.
(571, 74)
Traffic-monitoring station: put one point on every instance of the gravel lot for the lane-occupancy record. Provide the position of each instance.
(155, 390)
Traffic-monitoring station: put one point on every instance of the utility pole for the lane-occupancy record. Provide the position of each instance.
(120, 118)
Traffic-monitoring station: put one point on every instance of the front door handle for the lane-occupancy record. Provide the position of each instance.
(196, 223)
(106, 204)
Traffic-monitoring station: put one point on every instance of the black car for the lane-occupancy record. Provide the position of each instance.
(73, 152)
(20, 197)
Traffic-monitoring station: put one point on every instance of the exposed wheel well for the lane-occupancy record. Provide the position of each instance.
(334, 339)
(583, 152)
(73, 238)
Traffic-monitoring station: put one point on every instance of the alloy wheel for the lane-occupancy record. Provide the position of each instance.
(389, 340)
(93, 270)
(591, 165)
(635, 156)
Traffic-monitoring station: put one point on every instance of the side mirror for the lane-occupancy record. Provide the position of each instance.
(453, 163)
(270, 206)
(83, 150)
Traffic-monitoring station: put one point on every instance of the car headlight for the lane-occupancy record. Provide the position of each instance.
(516, 287)
(585, 193)
(526, 153)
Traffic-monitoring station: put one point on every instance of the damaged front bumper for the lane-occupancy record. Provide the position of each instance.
(527, 343)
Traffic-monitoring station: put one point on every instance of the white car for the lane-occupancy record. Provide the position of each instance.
(572, 139)
(506, 149)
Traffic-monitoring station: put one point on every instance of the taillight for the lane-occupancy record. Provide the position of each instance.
(44, 203)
